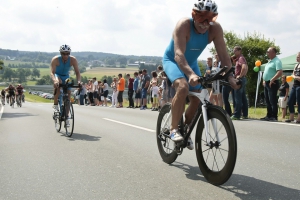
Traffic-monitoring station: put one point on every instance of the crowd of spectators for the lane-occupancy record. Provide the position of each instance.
(157, 88)
(142, 87)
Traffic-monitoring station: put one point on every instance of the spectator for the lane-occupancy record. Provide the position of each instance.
(145, 85)
(160, 78)
(90, 92)
(140, 86)
(226, 90)
(219, 96)
(121, 88)
(283, 95)
(273, 70)
(95, 91)
(100, 93)
(153, 79)
(207, 72)
(295, 92)
(105, 92)
(213, 98)
(114, 85)
(82, 94)
(130, 91)
(154, 90)
(241, 69)
(136, 89)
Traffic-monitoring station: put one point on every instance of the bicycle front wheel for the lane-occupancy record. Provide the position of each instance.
(165, 145)
(69, 118)
(217, 150)
(57, 119)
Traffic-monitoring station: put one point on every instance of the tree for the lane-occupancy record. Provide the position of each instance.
(36, 73)
(1, 64)
(254, 47)
(8, 73)
(21, 75)
(28, 72)
(45, 80)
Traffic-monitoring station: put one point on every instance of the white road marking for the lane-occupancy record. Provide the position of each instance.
(134, 126)
(1, 111)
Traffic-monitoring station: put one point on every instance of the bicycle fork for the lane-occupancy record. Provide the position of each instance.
(208, 137)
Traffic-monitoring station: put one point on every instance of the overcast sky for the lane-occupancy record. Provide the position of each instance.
(136, 27)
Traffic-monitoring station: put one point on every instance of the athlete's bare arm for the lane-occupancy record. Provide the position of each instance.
(216, 35)
(53, 65)
(74, 63)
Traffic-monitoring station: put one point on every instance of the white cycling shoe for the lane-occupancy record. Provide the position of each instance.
(175, 135)
(67, 123)
(190, 144)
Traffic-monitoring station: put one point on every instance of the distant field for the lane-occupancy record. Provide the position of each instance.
(100, 72)
(6, 62)
(90, 73)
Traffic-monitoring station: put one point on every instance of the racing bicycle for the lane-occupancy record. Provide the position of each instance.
(19, 101)
(65, 112)
(215, 139)
(12, 101)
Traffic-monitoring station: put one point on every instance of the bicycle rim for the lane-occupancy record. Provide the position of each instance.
(69, 116)
(165, 144)
(216, 157)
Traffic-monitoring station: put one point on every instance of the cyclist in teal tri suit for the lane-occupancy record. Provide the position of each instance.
(60, 69)
(190, 37)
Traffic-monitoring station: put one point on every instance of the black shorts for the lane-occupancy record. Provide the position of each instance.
(11, 93)
(95, 95)
(105, 93)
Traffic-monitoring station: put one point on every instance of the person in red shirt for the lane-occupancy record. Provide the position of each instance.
(130, 91)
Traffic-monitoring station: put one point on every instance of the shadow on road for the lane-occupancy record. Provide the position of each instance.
(245, 187)
(14, 115)
(78, 136)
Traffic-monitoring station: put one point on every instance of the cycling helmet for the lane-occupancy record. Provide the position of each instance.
(65, 48)
(206, 5)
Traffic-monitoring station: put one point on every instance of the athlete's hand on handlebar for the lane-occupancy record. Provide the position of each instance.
(234, 83)
(56, 84)
(194, 80)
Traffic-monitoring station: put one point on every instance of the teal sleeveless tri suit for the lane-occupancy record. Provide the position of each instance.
(194, 48)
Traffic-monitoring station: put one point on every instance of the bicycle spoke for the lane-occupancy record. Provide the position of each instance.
(215, 160)
(222, 157)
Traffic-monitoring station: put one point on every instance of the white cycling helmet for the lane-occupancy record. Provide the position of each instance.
(206, 5)
(65, 48)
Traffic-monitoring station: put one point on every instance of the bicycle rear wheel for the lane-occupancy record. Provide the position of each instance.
(165, 145)
(216, 152)
(69, 118)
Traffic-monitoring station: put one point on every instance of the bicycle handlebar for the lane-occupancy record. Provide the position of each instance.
(218, 76)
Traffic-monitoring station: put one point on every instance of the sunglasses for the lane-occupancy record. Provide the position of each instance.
(201, 16)
(65, 54)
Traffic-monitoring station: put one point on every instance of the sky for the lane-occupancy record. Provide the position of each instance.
(136, 27)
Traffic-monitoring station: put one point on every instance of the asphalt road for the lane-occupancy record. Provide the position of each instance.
(113, 155)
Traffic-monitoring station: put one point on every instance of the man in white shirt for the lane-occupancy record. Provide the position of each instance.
(95, 90)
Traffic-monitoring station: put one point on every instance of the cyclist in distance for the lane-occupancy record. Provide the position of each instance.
(11, 93)
(60, 69)
(3, 96)
(19, 92)
(190, 37)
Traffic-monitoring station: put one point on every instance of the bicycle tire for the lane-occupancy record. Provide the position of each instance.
(69, 116)
(223, 174)
(166, 157)
(57, 119)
